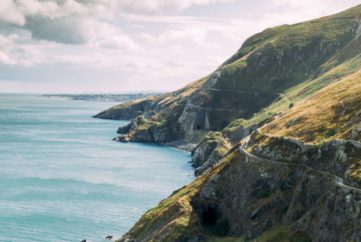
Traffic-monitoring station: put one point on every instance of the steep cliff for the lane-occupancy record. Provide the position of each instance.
(282, 64)
(245, 199)
(294, 170)
(276, 185)
(271, 72)
(209, 151)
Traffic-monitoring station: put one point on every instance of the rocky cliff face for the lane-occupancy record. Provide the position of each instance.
(251, 198)
(130, 109)
(246, 199)
(262, 72)
(279, 157)
(339, 157)
(209, 151)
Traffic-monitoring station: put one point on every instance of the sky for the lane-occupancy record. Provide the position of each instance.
(117, 46)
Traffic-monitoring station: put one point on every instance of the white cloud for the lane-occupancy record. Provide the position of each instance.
(313, 9)
(196, 35)
(5, 59)
(18, 11)
(154, 6)
(10, 13)
(78, 22)
(70, 30)
(14, 50)
(132, 44)
(109, 36)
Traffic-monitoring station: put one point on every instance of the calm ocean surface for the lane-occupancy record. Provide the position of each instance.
(62, 178)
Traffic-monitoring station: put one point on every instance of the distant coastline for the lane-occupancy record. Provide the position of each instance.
(124, 97)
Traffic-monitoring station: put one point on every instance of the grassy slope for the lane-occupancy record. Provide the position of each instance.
(334, 112)
(335, 90)
(273, 69)
(298, 93)
(344, 62)
(174, 216)
(269, 65)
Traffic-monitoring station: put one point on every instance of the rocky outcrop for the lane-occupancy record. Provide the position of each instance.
(209, 151)
(251, 197)
(266, 66)
(143, 130)
(278, 187)
(162, 127)
(130, 110)
(247, 198)
(340, 157)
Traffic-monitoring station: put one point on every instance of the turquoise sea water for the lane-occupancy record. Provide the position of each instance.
(63, 179)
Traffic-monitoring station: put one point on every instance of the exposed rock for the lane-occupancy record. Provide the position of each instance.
(251, 80)
(337, 156)
(209, 151)
(250, 198)
(109, 237)
(130, 110)
(183, 145)
(247, 202)
(287, 189)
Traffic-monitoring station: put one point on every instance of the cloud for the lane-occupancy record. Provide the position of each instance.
(87, 22)
(81, 22)
(6, 59)
(15, 50)
(156, 6)
(19, 12)
(63, 21)
(314, 9)
(110, 36)
(196, 35)
(132, 44)
(78, 22)
(69, 30)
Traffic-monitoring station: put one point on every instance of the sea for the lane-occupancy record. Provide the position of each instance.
(62, 178)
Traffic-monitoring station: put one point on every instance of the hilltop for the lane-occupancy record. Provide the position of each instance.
(277, 184)
(277, 133)
(271, 72)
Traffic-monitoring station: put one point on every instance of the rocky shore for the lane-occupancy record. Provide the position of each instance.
(275, 137)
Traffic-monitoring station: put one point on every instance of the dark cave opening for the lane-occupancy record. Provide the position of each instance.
(209, 217)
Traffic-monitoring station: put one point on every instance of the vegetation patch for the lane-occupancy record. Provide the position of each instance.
(282, 233)
(329, 114)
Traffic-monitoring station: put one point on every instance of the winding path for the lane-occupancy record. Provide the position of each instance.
(338, 180)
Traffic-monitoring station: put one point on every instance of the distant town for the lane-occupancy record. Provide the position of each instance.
(123, 97)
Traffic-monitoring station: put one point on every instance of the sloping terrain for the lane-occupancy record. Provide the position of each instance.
(294, 170)
(270, 72)
(332, 113)
(280, 186)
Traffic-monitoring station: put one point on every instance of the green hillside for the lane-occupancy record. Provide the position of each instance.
(295, 90)
(272, 70)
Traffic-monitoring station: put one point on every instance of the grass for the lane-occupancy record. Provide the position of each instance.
(197, 136)
(224, 239)
(273, 71)
(217, 140)
(174, 217)
(173, 213)
(282, 233)
(298, 93)
(304, 39)
(313, 65)
(277, 233)
(329, 114)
